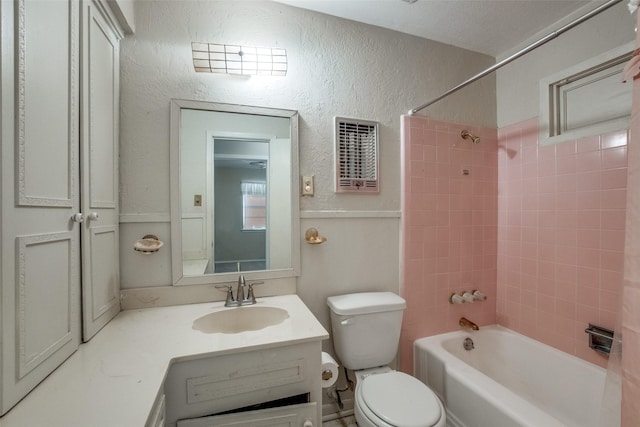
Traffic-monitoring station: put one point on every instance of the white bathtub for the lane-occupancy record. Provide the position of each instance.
(509, 380)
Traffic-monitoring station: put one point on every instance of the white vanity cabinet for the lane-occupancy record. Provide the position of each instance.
(121, 376)
(59, 109)
(196, 390)
(158, 413)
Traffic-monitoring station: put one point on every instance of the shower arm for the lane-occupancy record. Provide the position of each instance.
(466, 135)
(520, 53)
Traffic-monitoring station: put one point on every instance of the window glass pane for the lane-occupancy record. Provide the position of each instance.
(254, 211)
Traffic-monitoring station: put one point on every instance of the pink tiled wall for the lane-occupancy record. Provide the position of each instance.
(539, 229)
(449, 227)
(561, 225)
(631, 305)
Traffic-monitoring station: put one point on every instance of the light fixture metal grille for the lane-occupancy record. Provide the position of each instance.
(356, 149)
(237, 59)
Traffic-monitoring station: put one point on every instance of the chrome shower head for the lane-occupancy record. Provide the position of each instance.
(466, 135)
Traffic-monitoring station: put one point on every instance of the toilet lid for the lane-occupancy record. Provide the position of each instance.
(400, 400)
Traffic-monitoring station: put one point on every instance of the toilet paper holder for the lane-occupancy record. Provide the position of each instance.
(329, 371)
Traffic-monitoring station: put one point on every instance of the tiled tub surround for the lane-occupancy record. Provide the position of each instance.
(113, 380)
(449, 227)
(539, 229)
(561, 225)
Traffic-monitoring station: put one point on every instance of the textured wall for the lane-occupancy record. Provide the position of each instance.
(449, 228)
(336, 67)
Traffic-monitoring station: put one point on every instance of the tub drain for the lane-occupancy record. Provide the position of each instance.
(468, 344)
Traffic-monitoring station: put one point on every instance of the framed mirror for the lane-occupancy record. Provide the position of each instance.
(234, 192)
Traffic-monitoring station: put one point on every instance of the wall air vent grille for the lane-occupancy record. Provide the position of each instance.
(356, 149)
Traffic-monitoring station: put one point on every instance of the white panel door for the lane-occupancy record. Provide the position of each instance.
(40, 168)
(99, 150)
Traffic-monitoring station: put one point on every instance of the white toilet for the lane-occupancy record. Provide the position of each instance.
(366, 332)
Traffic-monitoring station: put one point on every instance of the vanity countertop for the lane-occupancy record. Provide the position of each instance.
(113, 380)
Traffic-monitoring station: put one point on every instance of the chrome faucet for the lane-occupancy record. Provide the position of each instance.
(240, 290)
(466, 323)
(239, 299)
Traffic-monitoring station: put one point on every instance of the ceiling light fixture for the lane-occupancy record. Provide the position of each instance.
(236, 59)
(410, 1)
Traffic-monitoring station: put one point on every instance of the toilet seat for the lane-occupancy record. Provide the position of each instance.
(399, 400)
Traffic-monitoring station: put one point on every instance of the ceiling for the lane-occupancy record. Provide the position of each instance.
(492, 27)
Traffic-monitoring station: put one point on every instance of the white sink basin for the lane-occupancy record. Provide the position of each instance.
(240, 319)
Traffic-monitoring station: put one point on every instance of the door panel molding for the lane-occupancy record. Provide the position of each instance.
(32, 353)
(38, 62)
(104, 256)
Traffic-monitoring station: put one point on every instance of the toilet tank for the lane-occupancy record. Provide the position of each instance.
(366, 328)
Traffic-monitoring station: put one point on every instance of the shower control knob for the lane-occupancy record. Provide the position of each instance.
(456, 299)
(468, 297)
(479, 296)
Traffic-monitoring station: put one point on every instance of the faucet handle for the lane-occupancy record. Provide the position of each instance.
(467, 297)
(478, 296)
(250, 296)
(226, 287)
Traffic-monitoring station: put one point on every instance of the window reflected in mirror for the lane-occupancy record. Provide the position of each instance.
(254, 205)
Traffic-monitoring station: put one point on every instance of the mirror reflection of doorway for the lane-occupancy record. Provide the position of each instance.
(240, 187)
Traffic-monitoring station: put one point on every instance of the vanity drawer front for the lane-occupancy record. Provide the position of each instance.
(250, 379)
(285, 416)
(218, 384)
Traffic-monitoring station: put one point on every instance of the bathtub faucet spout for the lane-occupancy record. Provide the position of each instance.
(466, 323)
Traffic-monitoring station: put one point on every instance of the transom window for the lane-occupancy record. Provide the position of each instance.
(586, 99)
